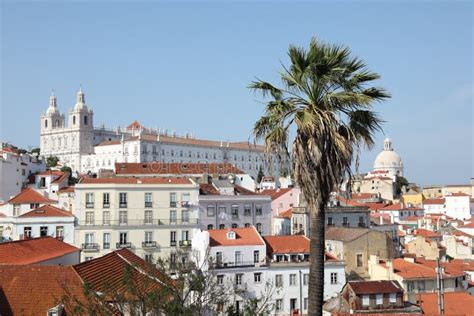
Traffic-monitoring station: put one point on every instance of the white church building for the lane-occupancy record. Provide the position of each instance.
(85, 148)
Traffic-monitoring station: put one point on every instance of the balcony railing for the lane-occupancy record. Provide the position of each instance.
(172, 243)
(173, 204)
(231, 265)
(90, 247)
(123, 204)
(141, 222)
(346, 225)
(149, 244)
(362, 225)
(89, 204)
(106, 205)
(148, 204)
(123, 245)
(106, 245)
(235, 216)
(185, 243)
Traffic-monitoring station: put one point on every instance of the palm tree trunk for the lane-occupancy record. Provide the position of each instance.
(316, 267)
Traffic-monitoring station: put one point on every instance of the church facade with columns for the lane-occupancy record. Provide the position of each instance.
(85, 148)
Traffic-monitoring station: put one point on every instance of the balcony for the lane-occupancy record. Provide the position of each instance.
(185, 243)
(240, 287)
(123, 245)
(346, 225)
(172, 243)
(148, 204)
(106, 205)
(235, 216)
(123, 204)
(149, 244)
(233, 265)
(362, 225)
(89, 204)
(106, 245)
(173, 204)
(90, 247)
(185, 204)
(141, 222)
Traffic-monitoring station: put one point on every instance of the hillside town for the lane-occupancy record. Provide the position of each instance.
(102, 206)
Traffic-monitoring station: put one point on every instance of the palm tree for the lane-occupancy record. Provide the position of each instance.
(326, 102)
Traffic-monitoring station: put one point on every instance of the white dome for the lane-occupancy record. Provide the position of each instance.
(389, 160)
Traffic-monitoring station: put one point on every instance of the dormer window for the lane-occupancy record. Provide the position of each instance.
(231, 235)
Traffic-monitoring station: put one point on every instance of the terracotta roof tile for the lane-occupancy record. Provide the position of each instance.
(33, 251)
(33, 290)
(425, 233)
(48, 211)
(287, 214)
(69, 189)
(457, 194)
(409, 270)
(175, 168)
(375, 287)
(455, 303)
(30, 196)
(275, 193)
(135, 125)
(287, 244)
(468, 225)
(131, 180)
(400, 207)
(244, 237)
(439, 201)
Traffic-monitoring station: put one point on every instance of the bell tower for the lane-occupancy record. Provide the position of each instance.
(52, 121)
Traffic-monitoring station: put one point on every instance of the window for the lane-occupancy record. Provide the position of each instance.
(106, 241)
(257, 277)
(74, 120)
(235, 211)
(211, 210)
(59, 231)
(258, 210)
(34, 205)
(305, 303)
(148, 217)
(123, 217)
(333, 277)
(365, 300)
(173, 216)
(89, 200)
(247, 210)
(259, 228)
(16, 209)
(89, 218)
(330, 222)
(247, 225)
(185, 198)
(238, 279)
(360, 263)
(279, 305)
(46, 123)
(185, 216)
(27, 232)
(185, 235)
(221, 226)
(256, 256)
(292, 279)
(172, 238)
(218, 257)
(379, 299)
(123, 199)
(393, 298)
(87, 259)
(234, 225)
(421, 285)
(106, 218)
(345, 222)
(89, 238)
(148, 199)
(222, 209)
(123, 238)
(238, 257)
(279, 280)
(210, 226)
(148, 237)
(306, 279)
(149, 258)
(220, 279)
(105, 200)
(85, 119)
(172, 199)
(410, 286)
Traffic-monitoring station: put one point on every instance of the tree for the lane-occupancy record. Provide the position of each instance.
(71, 180)
(35, 151)
(325, 102)
(399, 184)
(260, 175)
(52, 161)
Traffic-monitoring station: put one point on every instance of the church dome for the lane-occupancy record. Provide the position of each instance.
(389, 160)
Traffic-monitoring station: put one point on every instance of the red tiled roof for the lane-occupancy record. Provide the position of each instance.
(33, 290)
(30, 196)
(135, 125)
(175, 168)
(455, 303)
(456, 267)
(208, 189)
(425, 233)
(413, 218)
(244, 237)
(275, 193)
(457, 194)
(130, 180)
(439, 201)
(363, 196)
(287, 214)
(107, 273)
(468, 225)
(349, 202)
(33, 251)
(375, 287)
(400, 207)
(51, 173)
(66, 190)
(287, 244)
(48, 211)
(375, 206)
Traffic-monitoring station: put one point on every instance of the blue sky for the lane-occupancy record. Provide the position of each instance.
(186, 65)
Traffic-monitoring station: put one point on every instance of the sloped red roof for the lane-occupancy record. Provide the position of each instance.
(208, 189)
(66, 190)
(457, 194)
(244, 237)
(48, 211)
(426, 233)
(275, 193)
(33, 290)
(33, 251)
(135, 125)
(439, 201)
(287, 214)
(468, 225)
(455, 303)
(131, 180)
(375, 287)
(349, 202)
(287, 244)
(175, 168)
(400, 207)
(30, 196)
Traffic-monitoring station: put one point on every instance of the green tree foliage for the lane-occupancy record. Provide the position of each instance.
(52, 161)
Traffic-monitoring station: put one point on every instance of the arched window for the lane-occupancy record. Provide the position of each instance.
(85, 120)
(234, 225)
(46, 123)
(221, 226)
(57, 123)
(210, 226)
(74, 120)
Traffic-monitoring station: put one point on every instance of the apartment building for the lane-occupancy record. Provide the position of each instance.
(154, 217)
